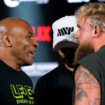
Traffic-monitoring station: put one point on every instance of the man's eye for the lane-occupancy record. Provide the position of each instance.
(29, 36)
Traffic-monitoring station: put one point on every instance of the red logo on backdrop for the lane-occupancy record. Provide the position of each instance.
(42, 33)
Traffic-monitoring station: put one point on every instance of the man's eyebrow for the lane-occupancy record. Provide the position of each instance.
(29, 32)
(78, 25)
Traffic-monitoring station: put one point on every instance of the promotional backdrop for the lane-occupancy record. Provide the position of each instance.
(41, 14)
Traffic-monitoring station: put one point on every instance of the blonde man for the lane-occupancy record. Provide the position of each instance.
(90, 71)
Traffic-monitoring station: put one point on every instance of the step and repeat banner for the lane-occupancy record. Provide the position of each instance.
(41, 14)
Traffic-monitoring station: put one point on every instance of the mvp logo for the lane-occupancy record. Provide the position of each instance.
(65, 31)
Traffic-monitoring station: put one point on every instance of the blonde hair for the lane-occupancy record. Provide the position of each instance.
(95, 12)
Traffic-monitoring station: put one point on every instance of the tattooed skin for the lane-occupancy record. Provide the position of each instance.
(87, 88)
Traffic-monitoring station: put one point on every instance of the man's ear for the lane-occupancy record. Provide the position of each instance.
(96, 31)
(61, 53)
(6, 40)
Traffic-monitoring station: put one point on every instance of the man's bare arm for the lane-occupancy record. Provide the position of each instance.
(87, 88)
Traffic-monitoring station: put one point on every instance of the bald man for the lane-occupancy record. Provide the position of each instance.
(17, 48)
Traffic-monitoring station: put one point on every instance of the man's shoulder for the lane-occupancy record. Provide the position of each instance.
(52, 74)
(93, 57)
(87, 59)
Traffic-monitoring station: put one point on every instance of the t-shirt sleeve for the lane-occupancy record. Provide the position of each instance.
(90, 63)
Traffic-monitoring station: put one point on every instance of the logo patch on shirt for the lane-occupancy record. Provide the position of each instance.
(22, 94)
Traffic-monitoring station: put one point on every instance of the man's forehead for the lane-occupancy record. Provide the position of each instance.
(82, 21)
(2, 28)
(13, 22)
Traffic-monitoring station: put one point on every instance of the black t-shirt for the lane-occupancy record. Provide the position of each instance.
(95, 63)
(55, 88)
(16, 87)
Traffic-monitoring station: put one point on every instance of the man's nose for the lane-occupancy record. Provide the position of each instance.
(35, 43)
(77, 35)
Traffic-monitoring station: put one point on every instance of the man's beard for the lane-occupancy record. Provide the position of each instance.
(82, 51)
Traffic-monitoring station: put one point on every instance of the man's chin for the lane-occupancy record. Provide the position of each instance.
(28, 63)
